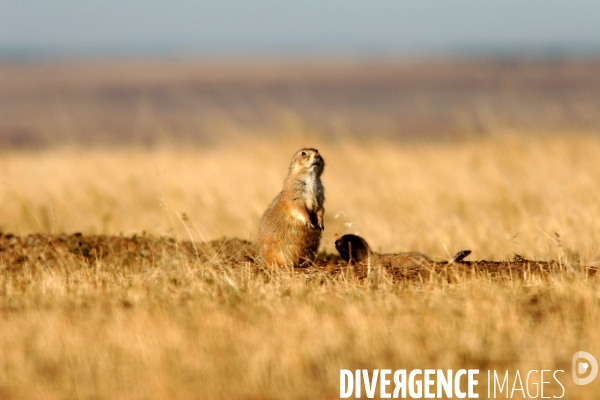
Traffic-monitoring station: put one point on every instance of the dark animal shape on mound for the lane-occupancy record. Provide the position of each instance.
(354, 249)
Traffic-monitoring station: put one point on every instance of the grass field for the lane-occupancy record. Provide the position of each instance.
(177, 325)
(497, 196)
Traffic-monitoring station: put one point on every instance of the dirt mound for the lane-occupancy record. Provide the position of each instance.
(52, 251)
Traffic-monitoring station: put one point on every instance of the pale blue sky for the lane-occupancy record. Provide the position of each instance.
(319, 26)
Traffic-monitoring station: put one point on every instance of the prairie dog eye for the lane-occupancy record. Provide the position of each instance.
(303, 153)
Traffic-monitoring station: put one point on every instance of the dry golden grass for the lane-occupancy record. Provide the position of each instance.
(436, 198)
(183, 328)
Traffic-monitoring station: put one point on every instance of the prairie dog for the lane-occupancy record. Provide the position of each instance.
(290, 229)
(354, 249)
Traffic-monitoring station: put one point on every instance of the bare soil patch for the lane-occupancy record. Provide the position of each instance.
(68, 250)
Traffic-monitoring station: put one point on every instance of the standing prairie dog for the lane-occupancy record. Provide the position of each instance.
(290, 229)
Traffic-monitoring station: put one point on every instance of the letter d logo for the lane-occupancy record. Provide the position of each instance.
(583, 366)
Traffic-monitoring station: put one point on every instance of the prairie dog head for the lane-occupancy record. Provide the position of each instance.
(307, 161)
(352, 248)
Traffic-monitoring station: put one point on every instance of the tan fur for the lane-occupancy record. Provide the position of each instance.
(290, 229)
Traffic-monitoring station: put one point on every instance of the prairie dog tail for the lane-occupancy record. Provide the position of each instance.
(458, 257)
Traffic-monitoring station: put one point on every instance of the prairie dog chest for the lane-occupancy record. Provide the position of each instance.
(312, 192)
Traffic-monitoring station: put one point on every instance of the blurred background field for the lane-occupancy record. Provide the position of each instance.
(205, 103)
(444, 126)
(428, 156)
